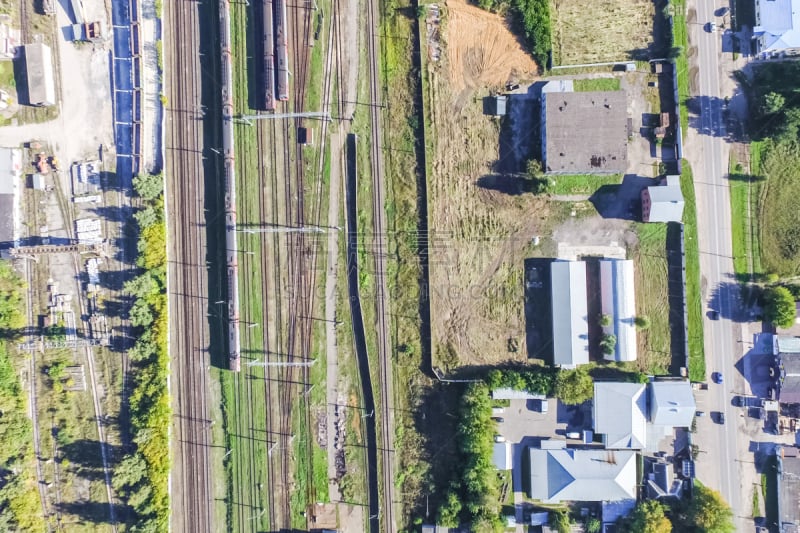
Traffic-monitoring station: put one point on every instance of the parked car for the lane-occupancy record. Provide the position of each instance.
(720, 418)
(573, 434)
(700, 414)
(718, 378)
(498, 419)
(713, 315)
(499, 438)
(712, 26)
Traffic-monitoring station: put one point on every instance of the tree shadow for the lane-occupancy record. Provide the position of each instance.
(86, 453)
(92, 512)
(538, 309)
(621, 201)
(506, 184)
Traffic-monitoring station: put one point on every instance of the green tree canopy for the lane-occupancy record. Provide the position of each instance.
(779, 306)
(709, 513)
(642, 322)
(773, 102)
(574, 386)
(148, 186)
(648, 517)
(608, 343)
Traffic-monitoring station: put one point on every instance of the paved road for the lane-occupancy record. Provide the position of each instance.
(719, 466)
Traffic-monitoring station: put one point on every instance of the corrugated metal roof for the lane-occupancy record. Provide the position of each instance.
(620, 414)
(672, 403)
(788, 344)
(570, 324)
(501, 455)
(618, 300)
(778, 24)
(582, 475)
(666, 201)
(39, 67)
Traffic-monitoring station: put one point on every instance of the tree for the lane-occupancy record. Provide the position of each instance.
(148, 186)
(141, 286)
(708, 512)
(593, 525)
(559, 520)
(773, 102)
(605, 320)
(141, 314)
(779, 306)
(146, 217)
(534, 168)
(574, 386)
(449, 510)
(648, 517)
(642, 322)
(608, 343)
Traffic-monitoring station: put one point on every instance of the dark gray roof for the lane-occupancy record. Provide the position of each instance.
(6, 220)
(790, 380)
(789, 493)
(585, 133)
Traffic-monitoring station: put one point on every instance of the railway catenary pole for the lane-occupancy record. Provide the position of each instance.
(232, 261)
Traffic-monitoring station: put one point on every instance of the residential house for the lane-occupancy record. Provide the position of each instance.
(620, 414)
(777, 29)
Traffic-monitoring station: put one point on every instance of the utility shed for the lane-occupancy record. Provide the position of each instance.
(617, 297)
(663, 202)
(570, 324)
(39, 68)
(10, 172)
(584, 132)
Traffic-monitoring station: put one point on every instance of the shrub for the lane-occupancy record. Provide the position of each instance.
(574, 387)
(779, 306)
(605, 320)
(642, 322)
(608, 343)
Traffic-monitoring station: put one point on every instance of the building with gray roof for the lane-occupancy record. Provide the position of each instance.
(788, 493)
(39, 68)
(567, 474)
(10, 173)
(502, 456)
(584, 132)
(787, 350)
(777, 29)
(661, 482)
(663, 202)
(672, 403)
(570, 315)
(618, 301)
(620, 414)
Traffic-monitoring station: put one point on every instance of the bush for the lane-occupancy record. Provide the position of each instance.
(605, 320)
(642, 322)
(608, 344)
(779, 307)
(559, 520)
(574, 387)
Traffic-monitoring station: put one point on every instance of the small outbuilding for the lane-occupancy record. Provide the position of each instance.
(663, 202)
(39, 68)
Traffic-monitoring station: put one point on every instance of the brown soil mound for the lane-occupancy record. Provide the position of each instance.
(481, 50)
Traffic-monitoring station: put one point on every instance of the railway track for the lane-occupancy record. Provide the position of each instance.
(192, 502)
(380, 252)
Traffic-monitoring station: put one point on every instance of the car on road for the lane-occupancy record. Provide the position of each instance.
(717, 377)
(738, 401)
(700, 414)
(499, 438)
(499, 419)
(720, 418)
(713, 315)
(711, 27)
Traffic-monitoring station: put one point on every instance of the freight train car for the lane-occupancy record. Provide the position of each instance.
(281, 53)
(269, 56)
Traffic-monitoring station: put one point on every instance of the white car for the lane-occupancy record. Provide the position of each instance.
(712, 26)
(499, 438)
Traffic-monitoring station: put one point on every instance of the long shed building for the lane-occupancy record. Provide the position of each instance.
(570, 315)
(618, 301)
(39, 68)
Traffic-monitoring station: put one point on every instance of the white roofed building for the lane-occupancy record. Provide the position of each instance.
(620, 414)
(672, 404)
(618, 301)
(777, 29)
(567, 474)
(570, 315)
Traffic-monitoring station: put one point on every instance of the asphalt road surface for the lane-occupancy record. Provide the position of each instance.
(719, 465)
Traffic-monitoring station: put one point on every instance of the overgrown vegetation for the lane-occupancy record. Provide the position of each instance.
(777, 210)
(473, 492)
(746, 186)
(678, 50)
(779, 307)
(596, 84)
(142, 475)
(20, 508)
(647, 517)
(694, 305)
(533, 18)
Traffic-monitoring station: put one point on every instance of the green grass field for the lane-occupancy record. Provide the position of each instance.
(597, 84)
(777, 210)
(746, 186)
(652, 297)
(697, 361)
(582, 183)
(680, 39)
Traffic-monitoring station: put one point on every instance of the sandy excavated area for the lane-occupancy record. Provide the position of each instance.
(480, 49)
(479, 235)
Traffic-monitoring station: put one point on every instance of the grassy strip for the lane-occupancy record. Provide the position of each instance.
(697, 361)
(739, 185)
(680, 41)
(142, 476)
(596, 84)
(581, 183)
(757, 154)
(652, 297)
(20, 508)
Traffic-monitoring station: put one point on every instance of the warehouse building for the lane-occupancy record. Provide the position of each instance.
(570, 315)
(10, 173)
(39, 68)
(584, 132)
(618, 301)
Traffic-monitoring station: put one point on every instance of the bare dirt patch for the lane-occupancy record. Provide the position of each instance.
(480, 49)
(608, 30)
